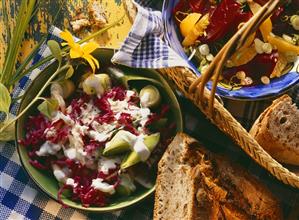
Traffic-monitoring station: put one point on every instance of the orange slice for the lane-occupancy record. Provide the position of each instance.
(242, 56)
(188, 23)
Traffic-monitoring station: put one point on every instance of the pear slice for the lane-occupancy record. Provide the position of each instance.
(126, 186)
(133, 158)
(120, 143)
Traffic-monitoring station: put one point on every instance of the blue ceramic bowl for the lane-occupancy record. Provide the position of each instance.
(276, 87)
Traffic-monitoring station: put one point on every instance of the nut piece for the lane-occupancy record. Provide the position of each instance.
(258, 45)
(241, 75)
(204, 49)
(247, 81)
(210, 57)
(295, 22)
(265, 80)
(267, 48)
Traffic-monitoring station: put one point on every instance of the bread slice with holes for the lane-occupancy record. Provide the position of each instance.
(277, 130)
(177, 185)
(194, 183)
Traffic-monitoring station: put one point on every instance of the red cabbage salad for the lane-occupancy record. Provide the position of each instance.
(270, 52)
(92, 137)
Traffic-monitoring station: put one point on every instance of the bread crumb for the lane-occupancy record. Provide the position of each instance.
(93, 16)
(79, 24)
(97, 14)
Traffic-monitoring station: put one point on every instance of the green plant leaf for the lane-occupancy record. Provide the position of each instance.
(65, 49)
(8, 134)
(25, 12)
(18, 74)
(48, 107)
(5, 99)
(55, 50)
(69, 72)
(120, 76)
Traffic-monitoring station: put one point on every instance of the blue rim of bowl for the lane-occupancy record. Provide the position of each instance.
(252, 93)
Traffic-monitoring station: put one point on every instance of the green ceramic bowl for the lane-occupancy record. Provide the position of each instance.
(47, 182)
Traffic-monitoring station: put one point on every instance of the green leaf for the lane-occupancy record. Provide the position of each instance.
(69, 72)
(48, 107)
(8, 133)
(65, 49)
(25, 11)
(119, 75)
(5, 99)
(55, 49)
(18, 74)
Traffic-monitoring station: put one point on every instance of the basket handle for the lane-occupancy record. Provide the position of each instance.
(184, 78)
(215, 68)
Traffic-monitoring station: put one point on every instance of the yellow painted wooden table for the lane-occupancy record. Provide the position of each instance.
(46, 17)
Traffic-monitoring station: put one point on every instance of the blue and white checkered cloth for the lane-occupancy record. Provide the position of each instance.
(144, 47)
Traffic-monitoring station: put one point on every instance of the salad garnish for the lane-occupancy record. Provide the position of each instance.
(268, 53)
(93, 135)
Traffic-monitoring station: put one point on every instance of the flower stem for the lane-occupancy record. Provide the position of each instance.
(65, 49)
(37, 97)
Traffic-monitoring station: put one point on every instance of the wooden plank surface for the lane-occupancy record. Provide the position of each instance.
(45, 18)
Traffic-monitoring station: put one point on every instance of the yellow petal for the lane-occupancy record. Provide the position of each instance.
(95, 61)
(68, 37)
(88, 58)
(75, 54)
(89, 47)
(64, 44)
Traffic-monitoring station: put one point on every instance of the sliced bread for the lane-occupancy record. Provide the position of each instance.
(175, 180)
(194, 183)
(277, 130)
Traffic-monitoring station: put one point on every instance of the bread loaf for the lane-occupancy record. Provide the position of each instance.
(277, 130)
(194, 183)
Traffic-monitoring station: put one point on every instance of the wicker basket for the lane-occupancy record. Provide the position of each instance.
(184, 78)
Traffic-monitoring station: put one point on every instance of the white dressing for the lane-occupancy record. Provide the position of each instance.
(100, 137)
(141, 149)
(70, 153)
(102, 186)
(65, 118)
(48, 148)
(106, 164)
(70, 182)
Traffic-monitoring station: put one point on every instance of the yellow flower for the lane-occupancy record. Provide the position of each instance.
(80, 51)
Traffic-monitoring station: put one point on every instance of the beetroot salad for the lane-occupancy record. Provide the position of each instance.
(91, 136)
(270, 52)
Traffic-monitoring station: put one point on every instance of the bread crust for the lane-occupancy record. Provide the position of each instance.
(220, 189)
(277, 149)
(184, 163)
